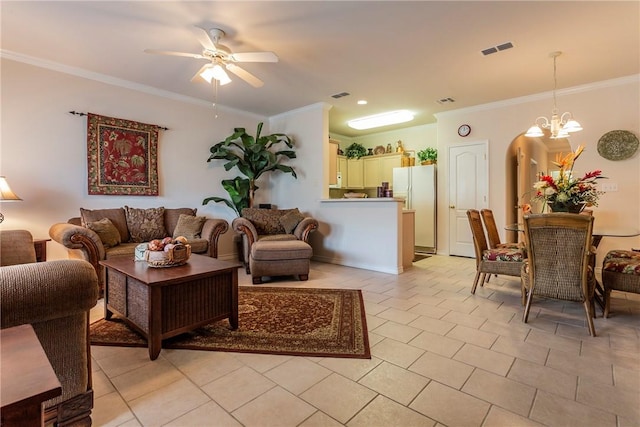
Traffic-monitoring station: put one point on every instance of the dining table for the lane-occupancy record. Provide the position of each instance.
(597, 235)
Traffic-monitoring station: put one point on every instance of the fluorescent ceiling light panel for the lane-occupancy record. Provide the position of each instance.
(384, 119)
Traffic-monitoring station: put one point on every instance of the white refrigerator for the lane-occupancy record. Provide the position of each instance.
(417, 185)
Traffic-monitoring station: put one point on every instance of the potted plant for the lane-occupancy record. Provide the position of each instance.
(428, 156)
(355, 151)
(253, 157)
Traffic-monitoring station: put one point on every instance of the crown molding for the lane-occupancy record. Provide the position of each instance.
(635, 78)
(103, 78)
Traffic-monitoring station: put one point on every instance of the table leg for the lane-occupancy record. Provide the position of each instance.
(155, 322)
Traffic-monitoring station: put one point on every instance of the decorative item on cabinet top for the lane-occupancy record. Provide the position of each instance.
(355, 195)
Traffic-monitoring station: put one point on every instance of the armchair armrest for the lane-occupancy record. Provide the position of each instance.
(39, 292)
(305, 227)
(82, 242)
(211, 231)
(244, 226)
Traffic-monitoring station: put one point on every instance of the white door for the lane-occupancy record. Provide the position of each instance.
(468, 189)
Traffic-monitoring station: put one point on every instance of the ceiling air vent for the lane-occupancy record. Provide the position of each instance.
(498, 48)
(445, 100)
(340, 95)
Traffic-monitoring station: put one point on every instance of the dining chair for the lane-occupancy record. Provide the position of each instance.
(506, 261)
(620, 272)
(492, 231)
(558, 260)
(493, 236)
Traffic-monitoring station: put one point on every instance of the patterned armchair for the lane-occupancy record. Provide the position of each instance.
(270, 224)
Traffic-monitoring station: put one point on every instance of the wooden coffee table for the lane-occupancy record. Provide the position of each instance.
(164, 302)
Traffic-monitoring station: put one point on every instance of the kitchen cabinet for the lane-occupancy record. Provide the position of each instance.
(378, 169)
(355, 173)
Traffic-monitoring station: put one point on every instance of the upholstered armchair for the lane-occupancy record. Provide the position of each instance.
(270, 224)
(55, 297)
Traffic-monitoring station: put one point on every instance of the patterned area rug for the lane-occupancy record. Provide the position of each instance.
(291, 321)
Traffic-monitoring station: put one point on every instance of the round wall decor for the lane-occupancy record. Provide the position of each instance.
(618, 145)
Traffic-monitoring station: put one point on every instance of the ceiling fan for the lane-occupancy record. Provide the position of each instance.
(220, 57)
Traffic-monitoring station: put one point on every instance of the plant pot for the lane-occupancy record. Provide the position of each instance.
(566, 207)
(428, 162)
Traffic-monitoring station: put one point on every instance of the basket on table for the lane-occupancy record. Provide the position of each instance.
(164, 253)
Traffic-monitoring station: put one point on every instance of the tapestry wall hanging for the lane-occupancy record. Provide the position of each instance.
(122, 157)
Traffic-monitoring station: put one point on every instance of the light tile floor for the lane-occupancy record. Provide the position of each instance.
(440, 357)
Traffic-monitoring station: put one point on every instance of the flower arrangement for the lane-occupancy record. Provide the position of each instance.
(566, 193)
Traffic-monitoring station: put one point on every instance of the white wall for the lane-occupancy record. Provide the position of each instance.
(599, 108)
(43, 148)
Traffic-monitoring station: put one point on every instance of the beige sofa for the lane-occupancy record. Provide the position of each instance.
(55, 297)
(88, 238)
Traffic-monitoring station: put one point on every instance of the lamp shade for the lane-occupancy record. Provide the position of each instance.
(5, 191)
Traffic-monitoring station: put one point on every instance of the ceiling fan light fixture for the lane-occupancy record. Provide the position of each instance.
(215, 72)
(383, 119)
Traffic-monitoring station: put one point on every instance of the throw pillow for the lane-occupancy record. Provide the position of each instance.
(171, 216)
(189, 226)
(116, 215)
(290, 221)
(145, 224)
(266, 221)
(108, 233)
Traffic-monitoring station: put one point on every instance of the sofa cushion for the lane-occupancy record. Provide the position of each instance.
(145, 224)
(108, 233)
(266, 221)
(171, 216)
(189, 226)
(290, 220)
(116, 215)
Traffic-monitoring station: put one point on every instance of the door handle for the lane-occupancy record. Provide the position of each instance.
(452, 207)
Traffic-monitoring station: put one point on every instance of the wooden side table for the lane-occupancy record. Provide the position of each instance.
(28, 379)
(41, 249)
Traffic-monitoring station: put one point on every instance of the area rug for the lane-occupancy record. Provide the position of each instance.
(289, 321)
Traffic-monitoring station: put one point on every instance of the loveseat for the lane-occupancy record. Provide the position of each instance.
(270, 225)
(55, 297)
(106, 233)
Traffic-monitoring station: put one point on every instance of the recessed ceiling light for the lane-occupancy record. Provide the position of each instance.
(362, 102)
(384, 119)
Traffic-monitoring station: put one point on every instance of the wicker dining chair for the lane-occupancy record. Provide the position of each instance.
(492, 231)
(558, 260)
(620, 272)
(506, 261)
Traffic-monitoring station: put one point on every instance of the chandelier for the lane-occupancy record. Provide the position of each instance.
(560, 125)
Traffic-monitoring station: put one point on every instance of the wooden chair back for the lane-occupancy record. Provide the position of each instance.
(490, 225)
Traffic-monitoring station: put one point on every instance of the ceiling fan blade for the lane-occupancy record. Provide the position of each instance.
(245, 75)
(204, 38)
(172, 53)
(197, 77)
(254, 57)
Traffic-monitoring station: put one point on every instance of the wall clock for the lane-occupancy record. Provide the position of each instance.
(464, 130)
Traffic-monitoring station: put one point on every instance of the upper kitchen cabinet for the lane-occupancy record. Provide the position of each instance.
(378, 169)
